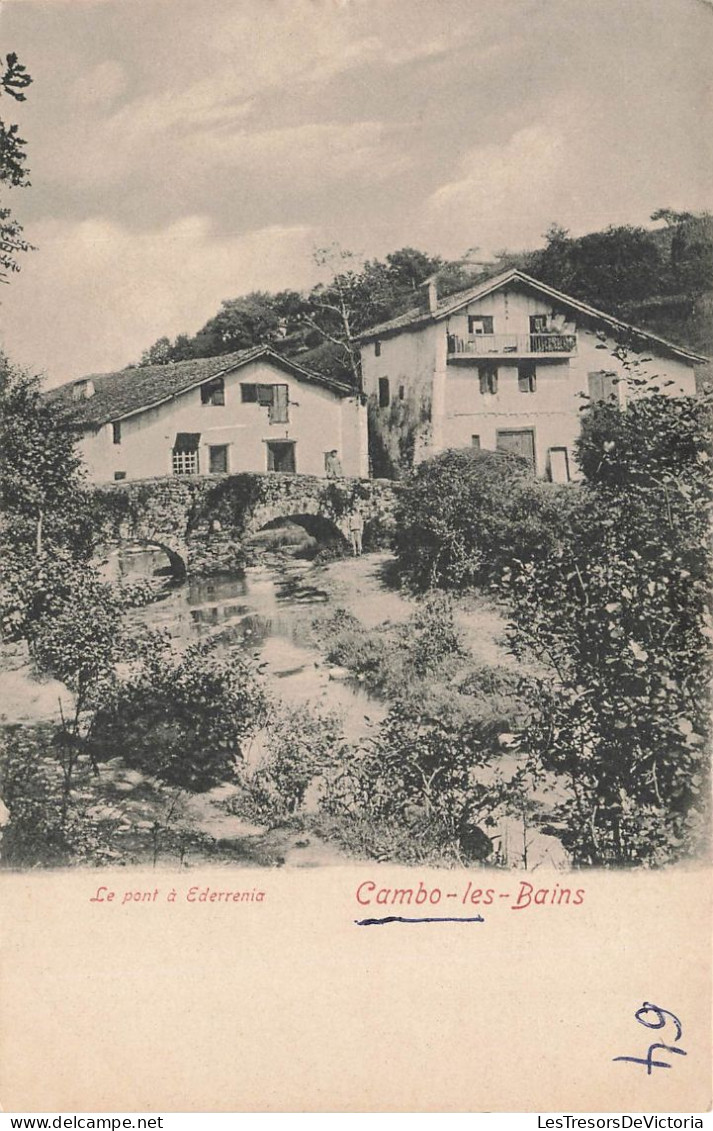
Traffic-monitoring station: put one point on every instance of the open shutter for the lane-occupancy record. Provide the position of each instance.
(603, 386)
(278, 413)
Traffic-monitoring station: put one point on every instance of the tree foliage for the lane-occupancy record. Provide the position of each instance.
(46, 528)
(320, 326)
(621, 266)
(605, 268)
(14, 80)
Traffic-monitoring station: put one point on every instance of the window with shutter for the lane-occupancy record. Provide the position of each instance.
(603, 386)
(526, 376)
(281, 456)
(278, 412)
(384, 392)
(488, 378)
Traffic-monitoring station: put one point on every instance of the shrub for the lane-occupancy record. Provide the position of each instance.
(139, 593)
(418, 774)
(77, 641)
(300, 745)
(655, 440)
(45, 829)
(434, 633)
(350, 645)
(182, 719)
(620, 612)
(464, 513)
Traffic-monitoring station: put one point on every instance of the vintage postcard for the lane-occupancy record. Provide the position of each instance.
(356, 448)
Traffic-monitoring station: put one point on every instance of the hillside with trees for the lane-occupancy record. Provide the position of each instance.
(658, 278)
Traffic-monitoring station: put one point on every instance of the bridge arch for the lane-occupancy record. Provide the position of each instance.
(176, 562)
(183, 514)
(323, 530)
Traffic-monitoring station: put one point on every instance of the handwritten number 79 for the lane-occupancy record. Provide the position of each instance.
(653, 1017)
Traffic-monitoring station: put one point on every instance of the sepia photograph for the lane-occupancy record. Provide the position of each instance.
(356, 392)
(356, 435)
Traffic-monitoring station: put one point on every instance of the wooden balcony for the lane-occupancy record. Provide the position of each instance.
(511, 345)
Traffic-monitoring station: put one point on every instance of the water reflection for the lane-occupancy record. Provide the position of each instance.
(263, 612)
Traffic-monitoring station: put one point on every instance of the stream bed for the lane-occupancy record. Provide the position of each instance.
(264, 612)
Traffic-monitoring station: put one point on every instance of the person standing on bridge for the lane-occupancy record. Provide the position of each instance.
(333, 464)
(356, 530)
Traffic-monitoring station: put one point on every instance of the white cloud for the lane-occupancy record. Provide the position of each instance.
(313, 153)
(504, 192)
(159, 282)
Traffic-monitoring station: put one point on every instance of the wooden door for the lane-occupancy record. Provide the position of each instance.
(281, 456)
(559, 465)
(518, 441)
(218, 456)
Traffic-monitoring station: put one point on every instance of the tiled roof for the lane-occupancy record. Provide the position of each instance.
(121, 394)
(420, 317)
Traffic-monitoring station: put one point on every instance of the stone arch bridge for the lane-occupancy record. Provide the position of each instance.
(183, 515)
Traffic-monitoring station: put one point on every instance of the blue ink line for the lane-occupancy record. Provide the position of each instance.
(402, 919)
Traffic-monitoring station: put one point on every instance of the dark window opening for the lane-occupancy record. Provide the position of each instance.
(213, 391)
(475, 441)
(116, 432)
(526, 377)
(402, 392)
(218, 458)
(281, 456)
(384, 392)
(488, 377)
(248, 394)
(377, 349)
(120, 475)
(480, 324)
(538, 323)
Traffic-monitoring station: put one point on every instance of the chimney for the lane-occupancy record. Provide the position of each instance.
(82, 390)
(432, 295)
(432, 292)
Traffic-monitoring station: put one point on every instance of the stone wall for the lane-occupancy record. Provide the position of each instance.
(180, 512)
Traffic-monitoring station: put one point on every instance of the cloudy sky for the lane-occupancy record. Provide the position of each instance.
(186, 151)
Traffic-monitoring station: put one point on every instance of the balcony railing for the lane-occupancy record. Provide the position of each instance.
(515, 345)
